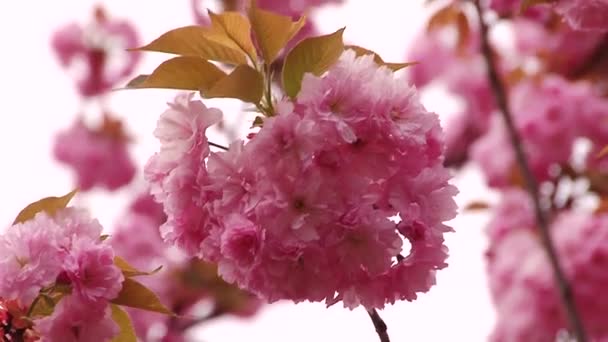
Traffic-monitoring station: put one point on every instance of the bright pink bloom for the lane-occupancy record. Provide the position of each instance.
(100, 47)
(30, 258)
(585, 15)
(97, 159)
(76, 321)
(302, 211)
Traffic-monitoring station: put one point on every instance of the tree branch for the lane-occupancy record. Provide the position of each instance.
(379, 325)
(500, 94)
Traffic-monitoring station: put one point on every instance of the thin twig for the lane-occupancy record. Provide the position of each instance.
(379, 325)
(222, 147)
(500, 94)
(194, 322)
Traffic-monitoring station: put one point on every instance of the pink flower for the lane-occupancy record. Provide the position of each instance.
(97, 159)
(90, 268)
(303, 210)
(175, 171)
(75, 321)
(585, 15)
(30, 258)
(100, 47)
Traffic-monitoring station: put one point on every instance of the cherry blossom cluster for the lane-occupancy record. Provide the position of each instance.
(59, 260)
(96, 150)
(317, 204)
(181, 284)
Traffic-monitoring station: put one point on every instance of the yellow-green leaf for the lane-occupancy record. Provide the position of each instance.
(136, 295)
(122, 319)
(130, 271)
(198, 41)
(360, 51)
(272, 31)
(45, 304)
(236, 27)
(244, 83)
(312, 55)
(50, 205)
(183, 72)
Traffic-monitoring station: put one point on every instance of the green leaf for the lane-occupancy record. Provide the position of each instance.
(136, 295)
(314, 55)
(130, 271)
(272, 31)
(244, 83)
(122, 319)
(360, 51)
(207, 43)
(183, 72)
(50, 205)
(237, 28)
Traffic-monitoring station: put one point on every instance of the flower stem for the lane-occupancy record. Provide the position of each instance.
(221, 147)
(379, 325)
(562, 283)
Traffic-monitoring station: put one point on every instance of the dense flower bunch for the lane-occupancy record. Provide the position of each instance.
(181, 284)
(98, 152)
(521, 280)
(303, 210)
(61, 280)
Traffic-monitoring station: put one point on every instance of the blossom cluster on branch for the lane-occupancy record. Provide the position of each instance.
(553, 70)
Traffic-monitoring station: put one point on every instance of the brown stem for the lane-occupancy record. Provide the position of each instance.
(379, 325)
(218, 146)
(500, 94)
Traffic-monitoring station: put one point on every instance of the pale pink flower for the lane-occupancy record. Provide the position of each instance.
(30, 258)
(97, 159)
(175, 171)
(99, 48)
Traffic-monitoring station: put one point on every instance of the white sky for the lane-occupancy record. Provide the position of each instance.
(37, 100)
